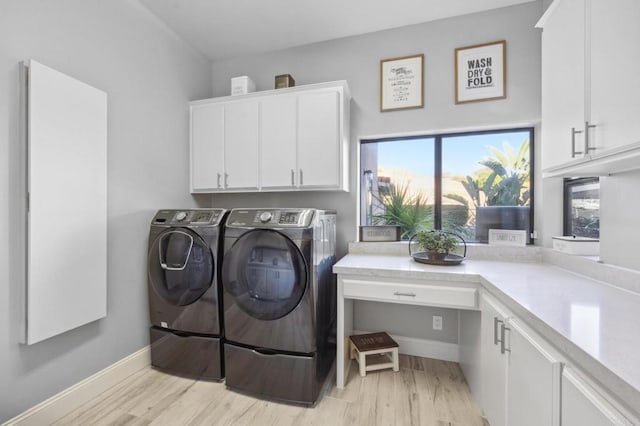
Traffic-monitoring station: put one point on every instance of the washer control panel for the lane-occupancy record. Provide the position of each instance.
(200, 217)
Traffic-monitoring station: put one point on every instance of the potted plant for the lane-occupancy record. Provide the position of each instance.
(436, 243)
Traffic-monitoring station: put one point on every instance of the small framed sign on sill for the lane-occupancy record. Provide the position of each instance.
(507, 237)
(380, 233)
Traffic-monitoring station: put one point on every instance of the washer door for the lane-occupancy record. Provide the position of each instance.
(265, 273)
(181, 266)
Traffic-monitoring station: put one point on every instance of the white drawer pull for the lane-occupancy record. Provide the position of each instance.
(397, 293)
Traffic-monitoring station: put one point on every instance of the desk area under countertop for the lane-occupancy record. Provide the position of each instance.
(549, 299)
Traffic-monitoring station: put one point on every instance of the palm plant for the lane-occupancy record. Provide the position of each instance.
(503, 182)
(400, 207)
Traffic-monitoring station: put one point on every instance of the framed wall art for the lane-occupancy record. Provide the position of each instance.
(401, 83)
(481, 72)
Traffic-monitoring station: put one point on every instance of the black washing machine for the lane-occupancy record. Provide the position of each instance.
(184, 292)
(279, 302)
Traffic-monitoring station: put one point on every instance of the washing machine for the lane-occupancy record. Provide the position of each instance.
(279, 297)
(184, 292)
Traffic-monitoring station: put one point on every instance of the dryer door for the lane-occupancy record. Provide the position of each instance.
(181, 266)
(265, 273)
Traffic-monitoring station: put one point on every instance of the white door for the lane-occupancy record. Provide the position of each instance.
(563, 82)
(66, 181)
(533, 381)
(207, 147)
(278, 142)
(494, 363)
(241, 145)
(614, 64)
(319, 139)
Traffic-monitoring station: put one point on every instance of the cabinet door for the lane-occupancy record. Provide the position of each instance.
(563, 82)
(583, 406)
(533, 381)
(494, 372)
(319, 139)
(241, 145)
(278, 142)
(614, 63)
(207, 147)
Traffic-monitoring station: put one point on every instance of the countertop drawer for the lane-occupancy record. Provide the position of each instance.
(438, 294)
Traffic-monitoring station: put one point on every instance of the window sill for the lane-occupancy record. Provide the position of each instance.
(476, 251)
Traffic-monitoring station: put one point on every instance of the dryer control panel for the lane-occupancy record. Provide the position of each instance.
(271, 218)
(200, 217)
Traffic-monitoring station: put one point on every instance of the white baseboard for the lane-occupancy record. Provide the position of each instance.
(71, 398)
(423, 347)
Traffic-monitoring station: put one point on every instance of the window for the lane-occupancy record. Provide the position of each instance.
(582, 207)
(466, 183)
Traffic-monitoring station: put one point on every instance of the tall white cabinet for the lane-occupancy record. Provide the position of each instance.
(590, 95)
(278, 140)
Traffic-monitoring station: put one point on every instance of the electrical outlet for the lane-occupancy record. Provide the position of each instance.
(437, 322)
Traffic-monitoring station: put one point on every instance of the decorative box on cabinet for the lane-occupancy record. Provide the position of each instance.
(589, 102)
(278, 140)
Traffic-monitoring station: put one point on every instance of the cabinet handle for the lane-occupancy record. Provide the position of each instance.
(397, 293)
(218, 181)
(588, 126)
(574, 132)
(226, 180)
(301, 177)
(496, 321)
(503, 331)
(293, 177)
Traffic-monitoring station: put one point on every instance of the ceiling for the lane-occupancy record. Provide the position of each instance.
(224, 29)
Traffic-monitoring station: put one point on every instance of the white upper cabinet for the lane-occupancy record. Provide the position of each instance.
(563, 102)
(278, 140)
(590, 99)
(241, 132)
(319, 126)
(207, 146)
(278, 158)
(614, 64)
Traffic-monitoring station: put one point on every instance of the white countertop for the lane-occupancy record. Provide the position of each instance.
(594, 324)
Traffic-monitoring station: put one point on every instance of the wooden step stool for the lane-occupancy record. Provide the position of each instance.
(381, 348)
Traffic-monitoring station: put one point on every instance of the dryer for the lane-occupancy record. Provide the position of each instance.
(279, 301)
(184, 292)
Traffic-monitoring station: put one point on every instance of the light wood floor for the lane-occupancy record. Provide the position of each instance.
(425, 392)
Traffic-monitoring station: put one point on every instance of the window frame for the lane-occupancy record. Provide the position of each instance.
(438, 137)
(567, 184)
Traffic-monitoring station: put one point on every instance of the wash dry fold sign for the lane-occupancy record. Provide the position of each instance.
(481, 72)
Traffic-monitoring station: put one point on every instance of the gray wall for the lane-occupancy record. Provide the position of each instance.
(149, 75)
(357, 60)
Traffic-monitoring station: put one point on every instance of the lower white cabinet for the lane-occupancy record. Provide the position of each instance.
(493, 364)
(583, 404)
(533, 384)
(520, 377)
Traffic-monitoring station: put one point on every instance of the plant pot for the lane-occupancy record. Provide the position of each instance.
(434, 255)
